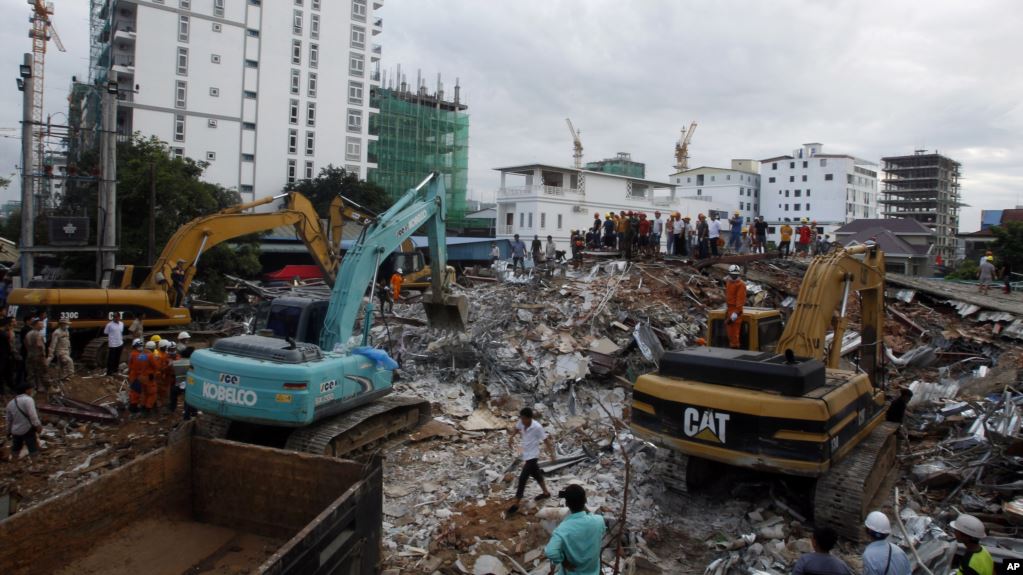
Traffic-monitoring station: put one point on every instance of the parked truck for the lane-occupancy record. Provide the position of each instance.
(206, 505)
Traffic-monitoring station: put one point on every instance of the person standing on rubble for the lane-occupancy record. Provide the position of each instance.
(518, 250)
(23, 424)
(620, 226)
(609, 231)
(575, 544)
(702, 235)
(35, 357)
(735, 299)
(8, 355)
(821, 561)
(114, 330)
(882, 557)
(969, 531)
(397, 278)
(178, 283)
(814, 235)
(803, 244)
(629, 237)
(550, 251)
(645, 227)
(655, 235)
(761, 228)
(677, 239)
(60, 350)
(536, 247)
(986, 273)
(495, 253)
(533, 435)
(785, 244)
(714, 234)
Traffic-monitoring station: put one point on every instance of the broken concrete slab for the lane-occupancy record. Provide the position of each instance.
(431, 429)
(483, 420)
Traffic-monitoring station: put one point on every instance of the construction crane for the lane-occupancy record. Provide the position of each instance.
(682, 148)
(577, 153)
(41, 32)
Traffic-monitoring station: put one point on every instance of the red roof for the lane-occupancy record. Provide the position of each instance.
(288, 273)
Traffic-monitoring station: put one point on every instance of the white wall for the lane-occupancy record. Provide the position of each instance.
(738, 190)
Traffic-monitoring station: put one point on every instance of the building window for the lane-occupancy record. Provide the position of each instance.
(559, 221)
(522, 220)
(310, 143)
(529, 218)
(786, 207)
(298, 2)
(183, 29)
(310, 114)
(355, 66)
(211, 156)
(292, 166)
(246, 189)
(312, 84)
(211, 123)
(179, 128)
(292, 141)
(353, 149)
(824, 162)
(248, 125)
(804, 177)
(180, 94)
(728, 177)
(215, 58)
(808, 209)
(218, 8)
(358, 37)
(771, 179)
(795, 207)
(251, 64)
(792, 165)
(296, 23)
(689, 180)
(354, 121)
(543, 221)
(850, 179)
(296, 80)
(314, 26)
(786, 193)
(355, 93)
(296, 51)
(249, 94)
(308, 170)
(293, 112)
(804, 163)
(315, 4)
(252, 33)
(248, 157)
(808, 192)
(314, 55)
(829, 177)
(182, 61)
(215, 92)
(185, 4)
(699, 192)
(774, 165)
(712, 178)
(218, 27)
(177, 153)
(797, 193)
(359, 10)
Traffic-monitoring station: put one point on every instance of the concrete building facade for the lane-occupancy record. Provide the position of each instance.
(925, 187)
(737, 187)
(542, 199)
(265, 92)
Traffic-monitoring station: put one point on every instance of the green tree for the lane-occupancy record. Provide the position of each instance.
(332, 181)
(10, 227)
(180, 197)
(1008, 244)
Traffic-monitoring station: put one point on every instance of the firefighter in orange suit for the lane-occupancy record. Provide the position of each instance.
(160, 370)
(396, 280)
(735, 299)
(135, 366)
(148, 371)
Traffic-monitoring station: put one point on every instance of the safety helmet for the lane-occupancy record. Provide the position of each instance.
(686, 218)
(137, 342)
(642, 216)
(172, 347)
(155, 338)
(734, 270)
(150, 345)
(184, 335)
(736, 213)
(399, 272)
(164, 343)
(970, 526)
(806, 220)
(990, 258)
(878, 523)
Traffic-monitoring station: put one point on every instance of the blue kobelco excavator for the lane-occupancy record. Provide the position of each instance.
(328, 398)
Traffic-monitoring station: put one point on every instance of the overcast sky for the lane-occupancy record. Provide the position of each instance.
(868, 78)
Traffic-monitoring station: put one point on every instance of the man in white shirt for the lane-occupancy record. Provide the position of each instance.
(658, 231)
(532, 436)
(114, 331)
(23, 423)
(678, 229)
(714, 232)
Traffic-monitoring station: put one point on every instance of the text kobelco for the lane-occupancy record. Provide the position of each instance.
(231, 395)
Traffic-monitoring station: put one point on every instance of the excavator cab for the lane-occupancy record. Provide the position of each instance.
(761, 328)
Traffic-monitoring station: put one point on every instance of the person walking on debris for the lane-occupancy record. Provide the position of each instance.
(495, 253)
(550, 251)
(575, 544)
(23, 424)
(702, 234)
(785, 244)
(821, 561)
(536, 248)
(735, 299)
(882, 557)
(518, 250)
(986, 273)
(803, 243)
(35, 357)
(60, 350)
(114, 330)
(533, 435)
(969, 531)
(714, 234)
(397, 278)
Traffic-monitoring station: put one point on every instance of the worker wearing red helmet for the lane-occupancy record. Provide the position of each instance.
(645, 226)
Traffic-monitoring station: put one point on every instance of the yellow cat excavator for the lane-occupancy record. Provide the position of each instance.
(789, 410)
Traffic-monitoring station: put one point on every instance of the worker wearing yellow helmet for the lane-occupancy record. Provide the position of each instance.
(986, 273)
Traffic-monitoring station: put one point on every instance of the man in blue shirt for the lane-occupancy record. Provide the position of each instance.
(518, 251)
(575, 543)
(882, 557)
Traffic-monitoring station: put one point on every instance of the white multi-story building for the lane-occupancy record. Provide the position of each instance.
(266, 92)
(831, 189)
(541, 199)
(738, 187)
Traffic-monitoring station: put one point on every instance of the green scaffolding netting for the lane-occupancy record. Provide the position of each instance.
(415, 138)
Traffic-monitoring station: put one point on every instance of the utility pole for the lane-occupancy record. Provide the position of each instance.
(27, 175)
(152, 213)
(108, 179)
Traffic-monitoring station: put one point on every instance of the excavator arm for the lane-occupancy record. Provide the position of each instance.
(421, 205)
(825, 289)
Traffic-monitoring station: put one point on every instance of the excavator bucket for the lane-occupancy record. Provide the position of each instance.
(450, 313)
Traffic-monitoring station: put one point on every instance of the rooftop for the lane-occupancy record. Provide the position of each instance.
(901, 226)
(582, 171)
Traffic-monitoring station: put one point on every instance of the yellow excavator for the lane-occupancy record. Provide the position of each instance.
(790, 411)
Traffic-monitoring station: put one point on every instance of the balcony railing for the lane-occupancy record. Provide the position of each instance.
(637, 196)
(537, 190)
(664, 201)
(699, 198)
(506, 230)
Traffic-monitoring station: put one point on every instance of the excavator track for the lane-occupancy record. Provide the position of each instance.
(845, 494)
(671, 467)
(94, 354)
(346, 433)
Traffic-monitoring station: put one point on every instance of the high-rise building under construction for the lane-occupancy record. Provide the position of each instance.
(418, 132)
(924, 187)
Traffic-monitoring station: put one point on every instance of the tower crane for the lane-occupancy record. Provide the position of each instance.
(682, 148)
(41, 32)
(577, 153)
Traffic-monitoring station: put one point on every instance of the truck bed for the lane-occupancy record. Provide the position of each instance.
(206, 506)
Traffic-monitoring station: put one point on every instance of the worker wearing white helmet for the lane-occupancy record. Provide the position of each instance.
(976, 561)
(184, 350)
(396, 280)
(151, 345)
(735, 299)
(882, 557)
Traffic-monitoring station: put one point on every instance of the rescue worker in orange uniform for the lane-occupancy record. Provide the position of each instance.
(147, 372)
(135, 368)
(396, 280)
(160, 373)
(735, 299)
